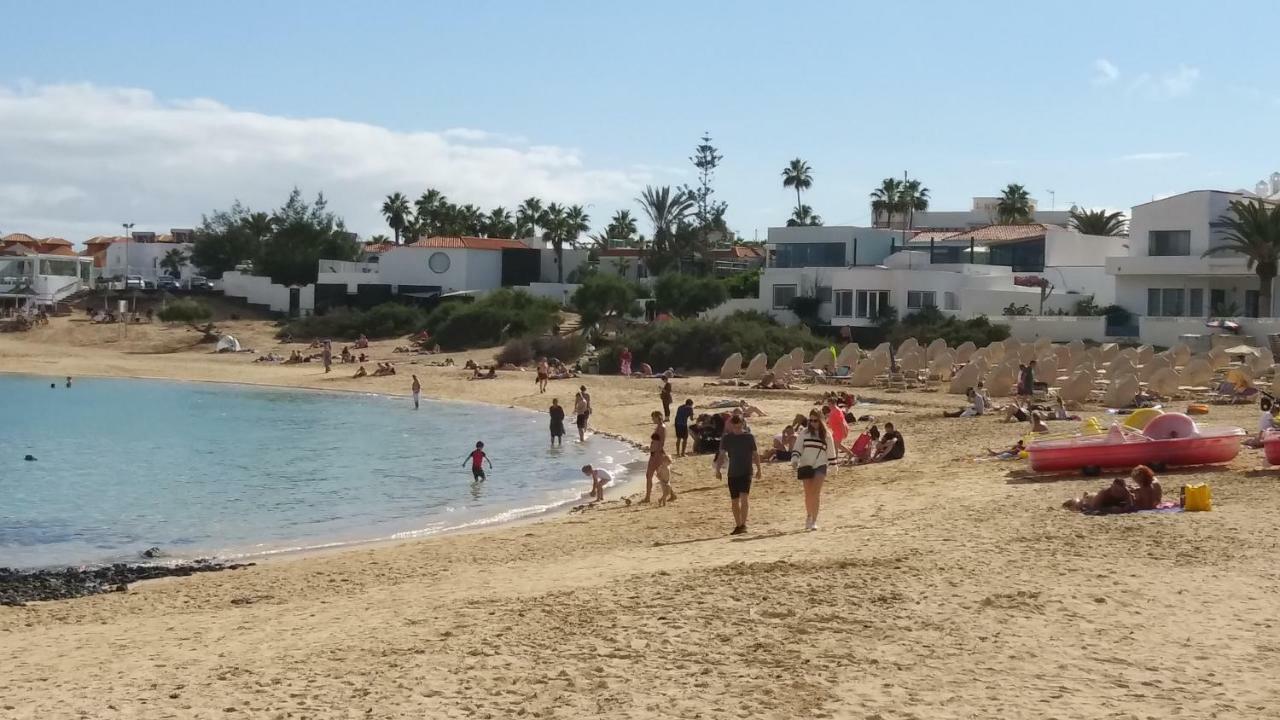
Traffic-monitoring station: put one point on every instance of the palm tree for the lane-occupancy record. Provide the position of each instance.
(666, 209)
(1252, 229)
(498, 224)
(799, 175)
(259, 225)
(552, 222)
(915, 198)
(377, 240)
(1014, 207)
(1098, 222)
(396, 210)
(803, 217)
(576, 222)
(885, 200)
(173, 260)
(527, 216)
(429, 206)
(622, 226)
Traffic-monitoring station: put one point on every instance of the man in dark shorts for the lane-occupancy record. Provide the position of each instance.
(891, 445)
(738, 450)
(683, 415)
(478, 458)
(582, 409)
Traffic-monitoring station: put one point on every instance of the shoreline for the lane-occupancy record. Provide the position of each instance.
(320, 547)
(929, 576)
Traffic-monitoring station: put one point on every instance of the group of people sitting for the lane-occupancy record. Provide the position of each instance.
(770, 381)
(384, 369)
(1020, 410)
(1118, 497)
(350, 357)
(868, 447)
(479, 373)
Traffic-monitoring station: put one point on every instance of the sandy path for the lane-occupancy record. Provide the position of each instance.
(937, 588)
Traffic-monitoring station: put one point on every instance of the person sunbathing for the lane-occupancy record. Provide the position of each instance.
(1010, 454)
(362, 343)
(361, 373)
(1015, 412)
(1110, 500)
(1147, 494)
(1037, 424)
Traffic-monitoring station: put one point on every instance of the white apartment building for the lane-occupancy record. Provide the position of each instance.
(982, 212)
(143, 252)
(855, 272)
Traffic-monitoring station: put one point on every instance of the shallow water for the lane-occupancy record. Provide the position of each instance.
(228, 471)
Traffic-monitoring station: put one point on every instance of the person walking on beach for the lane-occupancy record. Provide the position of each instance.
(811, 464)
(416, 389)
(326, 356)
(478, 458)
(738, 450)
(544, 375)
(624, 362)
(582, 409)
(557, 422)
(665, 493)
(657, 448)
(599, 478)
(665, 396)
(683, 414)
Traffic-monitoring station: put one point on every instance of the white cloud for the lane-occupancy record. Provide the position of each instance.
(81, 159)
(1168, 85)
(1153, 156)
(1105, 72)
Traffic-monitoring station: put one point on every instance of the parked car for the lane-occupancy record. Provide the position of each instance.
(134, 282)
(167, 282)
(200, 282)
(148, 284)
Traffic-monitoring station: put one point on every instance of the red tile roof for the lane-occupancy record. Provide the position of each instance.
(18, 238)
(470, 243)
(739, 252)
(997, 234)
(59, 250)
(55, 241)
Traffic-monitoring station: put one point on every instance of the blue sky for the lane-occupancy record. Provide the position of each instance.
(1109, 104)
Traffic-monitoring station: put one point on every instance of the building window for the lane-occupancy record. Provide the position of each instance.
(950, 301)
(917, 299)
(438, 262)
(1195, 302)
(1166, 243)
(1251, 303)
(782, 296)
(800, 255)
(871, 303)
(824, 293)
(844, 303)
(1166, 302)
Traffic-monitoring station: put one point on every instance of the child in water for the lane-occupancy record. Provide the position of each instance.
(478, 458)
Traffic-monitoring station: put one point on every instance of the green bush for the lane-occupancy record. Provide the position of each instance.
(526, 350)
(743, 284)
(383, 321)
(695, 345)
(491, 319)
(686, 296)
(602, 296)
(185, 311)
(931, 323)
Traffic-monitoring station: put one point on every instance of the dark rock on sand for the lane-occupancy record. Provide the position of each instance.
(152, 552)
(18, 587)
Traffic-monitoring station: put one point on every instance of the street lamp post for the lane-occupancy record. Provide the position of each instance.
(128, 238)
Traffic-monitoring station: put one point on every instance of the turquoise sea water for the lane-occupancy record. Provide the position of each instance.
(232, 471)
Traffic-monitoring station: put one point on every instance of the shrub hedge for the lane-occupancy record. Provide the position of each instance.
(383, 321)
(526, 350)
(703, 345)
(185, 310)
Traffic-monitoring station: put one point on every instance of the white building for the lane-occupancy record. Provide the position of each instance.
(440, 266)
(28, 277)
(856, 272)
(143, 253)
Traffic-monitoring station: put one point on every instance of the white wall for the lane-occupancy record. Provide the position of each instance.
(409, 266)
(1057, 329)
(258, 290)
(560, 292)
(733, 305)
(573, 259)
(1131, 290)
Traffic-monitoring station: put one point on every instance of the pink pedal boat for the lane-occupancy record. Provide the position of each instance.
(1168, 440)
(1271, 446)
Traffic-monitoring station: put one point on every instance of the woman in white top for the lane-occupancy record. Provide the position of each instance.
(815, 451)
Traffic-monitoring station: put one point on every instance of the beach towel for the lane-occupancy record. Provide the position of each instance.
(839, 426)
(1164, 508)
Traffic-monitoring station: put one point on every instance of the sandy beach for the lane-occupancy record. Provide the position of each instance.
(940, 586)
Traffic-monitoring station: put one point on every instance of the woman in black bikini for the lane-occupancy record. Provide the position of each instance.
(657, 447)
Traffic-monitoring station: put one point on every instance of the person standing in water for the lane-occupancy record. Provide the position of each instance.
(582, 409)
(657, 449)
(416, 389)
(557, 422)
(68, 381)
(478, 458)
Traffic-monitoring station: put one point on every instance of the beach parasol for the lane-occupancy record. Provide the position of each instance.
(1242, 350)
